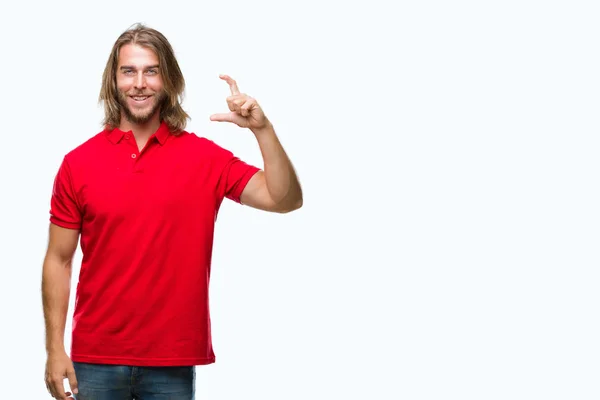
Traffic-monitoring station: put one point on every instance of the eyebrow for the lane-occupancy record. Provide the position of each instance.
(132, 67)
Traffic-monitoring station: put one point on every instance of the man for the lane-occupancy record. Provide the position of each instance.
(142, 197)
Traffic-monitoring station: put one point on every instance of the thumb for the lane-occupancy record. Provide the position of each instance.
(72, 380)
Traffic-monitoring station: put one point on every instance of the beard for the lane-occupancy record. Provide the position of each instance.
(143, 115)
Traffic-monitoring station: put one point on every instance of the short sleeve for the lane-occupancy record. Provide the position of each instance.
(64, 208)
(234, 174)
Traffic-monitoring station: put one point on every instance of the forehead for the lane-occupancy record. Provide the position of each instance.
(136, 55)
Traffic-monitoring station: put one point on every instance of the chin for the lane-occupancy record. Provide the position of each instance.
(138, 118)
(140, 115)
(146, 114)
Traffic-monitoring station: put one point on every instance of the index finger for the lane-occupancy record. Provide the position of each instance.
(232, 84)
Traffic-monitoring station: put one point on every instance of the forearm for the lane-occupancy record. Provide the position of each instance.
(282, 182)
(56, 286)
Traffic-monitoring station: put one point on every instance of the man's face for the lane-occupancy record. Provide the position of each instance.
(139, 83)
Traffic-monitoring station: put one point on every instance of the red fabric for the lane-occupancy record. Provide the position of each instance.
(147, 222)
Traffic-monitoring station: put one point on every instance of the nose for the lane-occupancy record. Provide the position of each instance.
(140, 81)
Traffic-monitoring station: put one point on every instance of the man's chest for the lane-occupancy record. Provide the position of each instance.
(131, 186)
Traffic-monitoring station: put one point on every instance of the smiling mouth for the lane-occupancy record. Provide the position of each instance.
(139, 98)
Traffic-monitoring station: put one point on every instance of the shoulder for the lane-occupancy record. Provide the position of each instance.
(79, 159)
(86, 150)
(202, 145)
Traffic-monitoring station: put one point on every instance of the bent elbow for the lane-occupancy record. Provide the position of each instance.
(292, 207)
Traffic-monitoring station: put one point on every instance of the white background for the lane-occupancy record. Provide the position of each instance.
(448, 151)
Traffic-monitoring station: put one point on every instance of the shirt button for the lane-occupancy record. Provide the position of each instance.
(133, 156)
(126, 137)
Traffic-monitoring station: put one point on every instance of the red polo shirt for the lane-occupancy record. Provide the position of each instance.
(146, 220)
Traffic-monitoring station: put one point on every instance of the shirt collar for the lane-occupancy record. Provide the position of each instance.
(162, 133)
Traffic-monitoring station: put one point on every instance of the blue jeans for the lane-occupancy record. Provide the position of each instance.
(119, 382)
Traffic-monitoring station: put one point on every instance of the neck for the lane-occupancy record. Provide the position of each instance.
(141, 132)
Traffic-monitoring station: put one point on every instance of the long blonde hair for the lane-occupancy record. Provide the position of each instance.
(174, 84)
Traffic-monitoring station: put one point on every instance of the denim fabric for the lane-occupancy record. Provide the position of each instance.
(117, 382)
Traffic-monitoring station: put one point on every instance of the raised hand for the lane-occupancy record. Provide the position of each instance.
(245, 111)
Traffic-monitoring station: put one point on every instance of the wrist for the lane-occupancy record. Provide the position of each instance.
(55, 351)
(55, 348)
(265, 129)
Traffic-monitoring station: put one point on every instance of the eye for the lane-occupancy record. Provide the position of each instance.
(128, 71)
(152, 72)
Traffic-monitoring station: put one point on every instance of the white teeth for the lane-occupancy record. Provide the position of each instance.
(140, 98)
